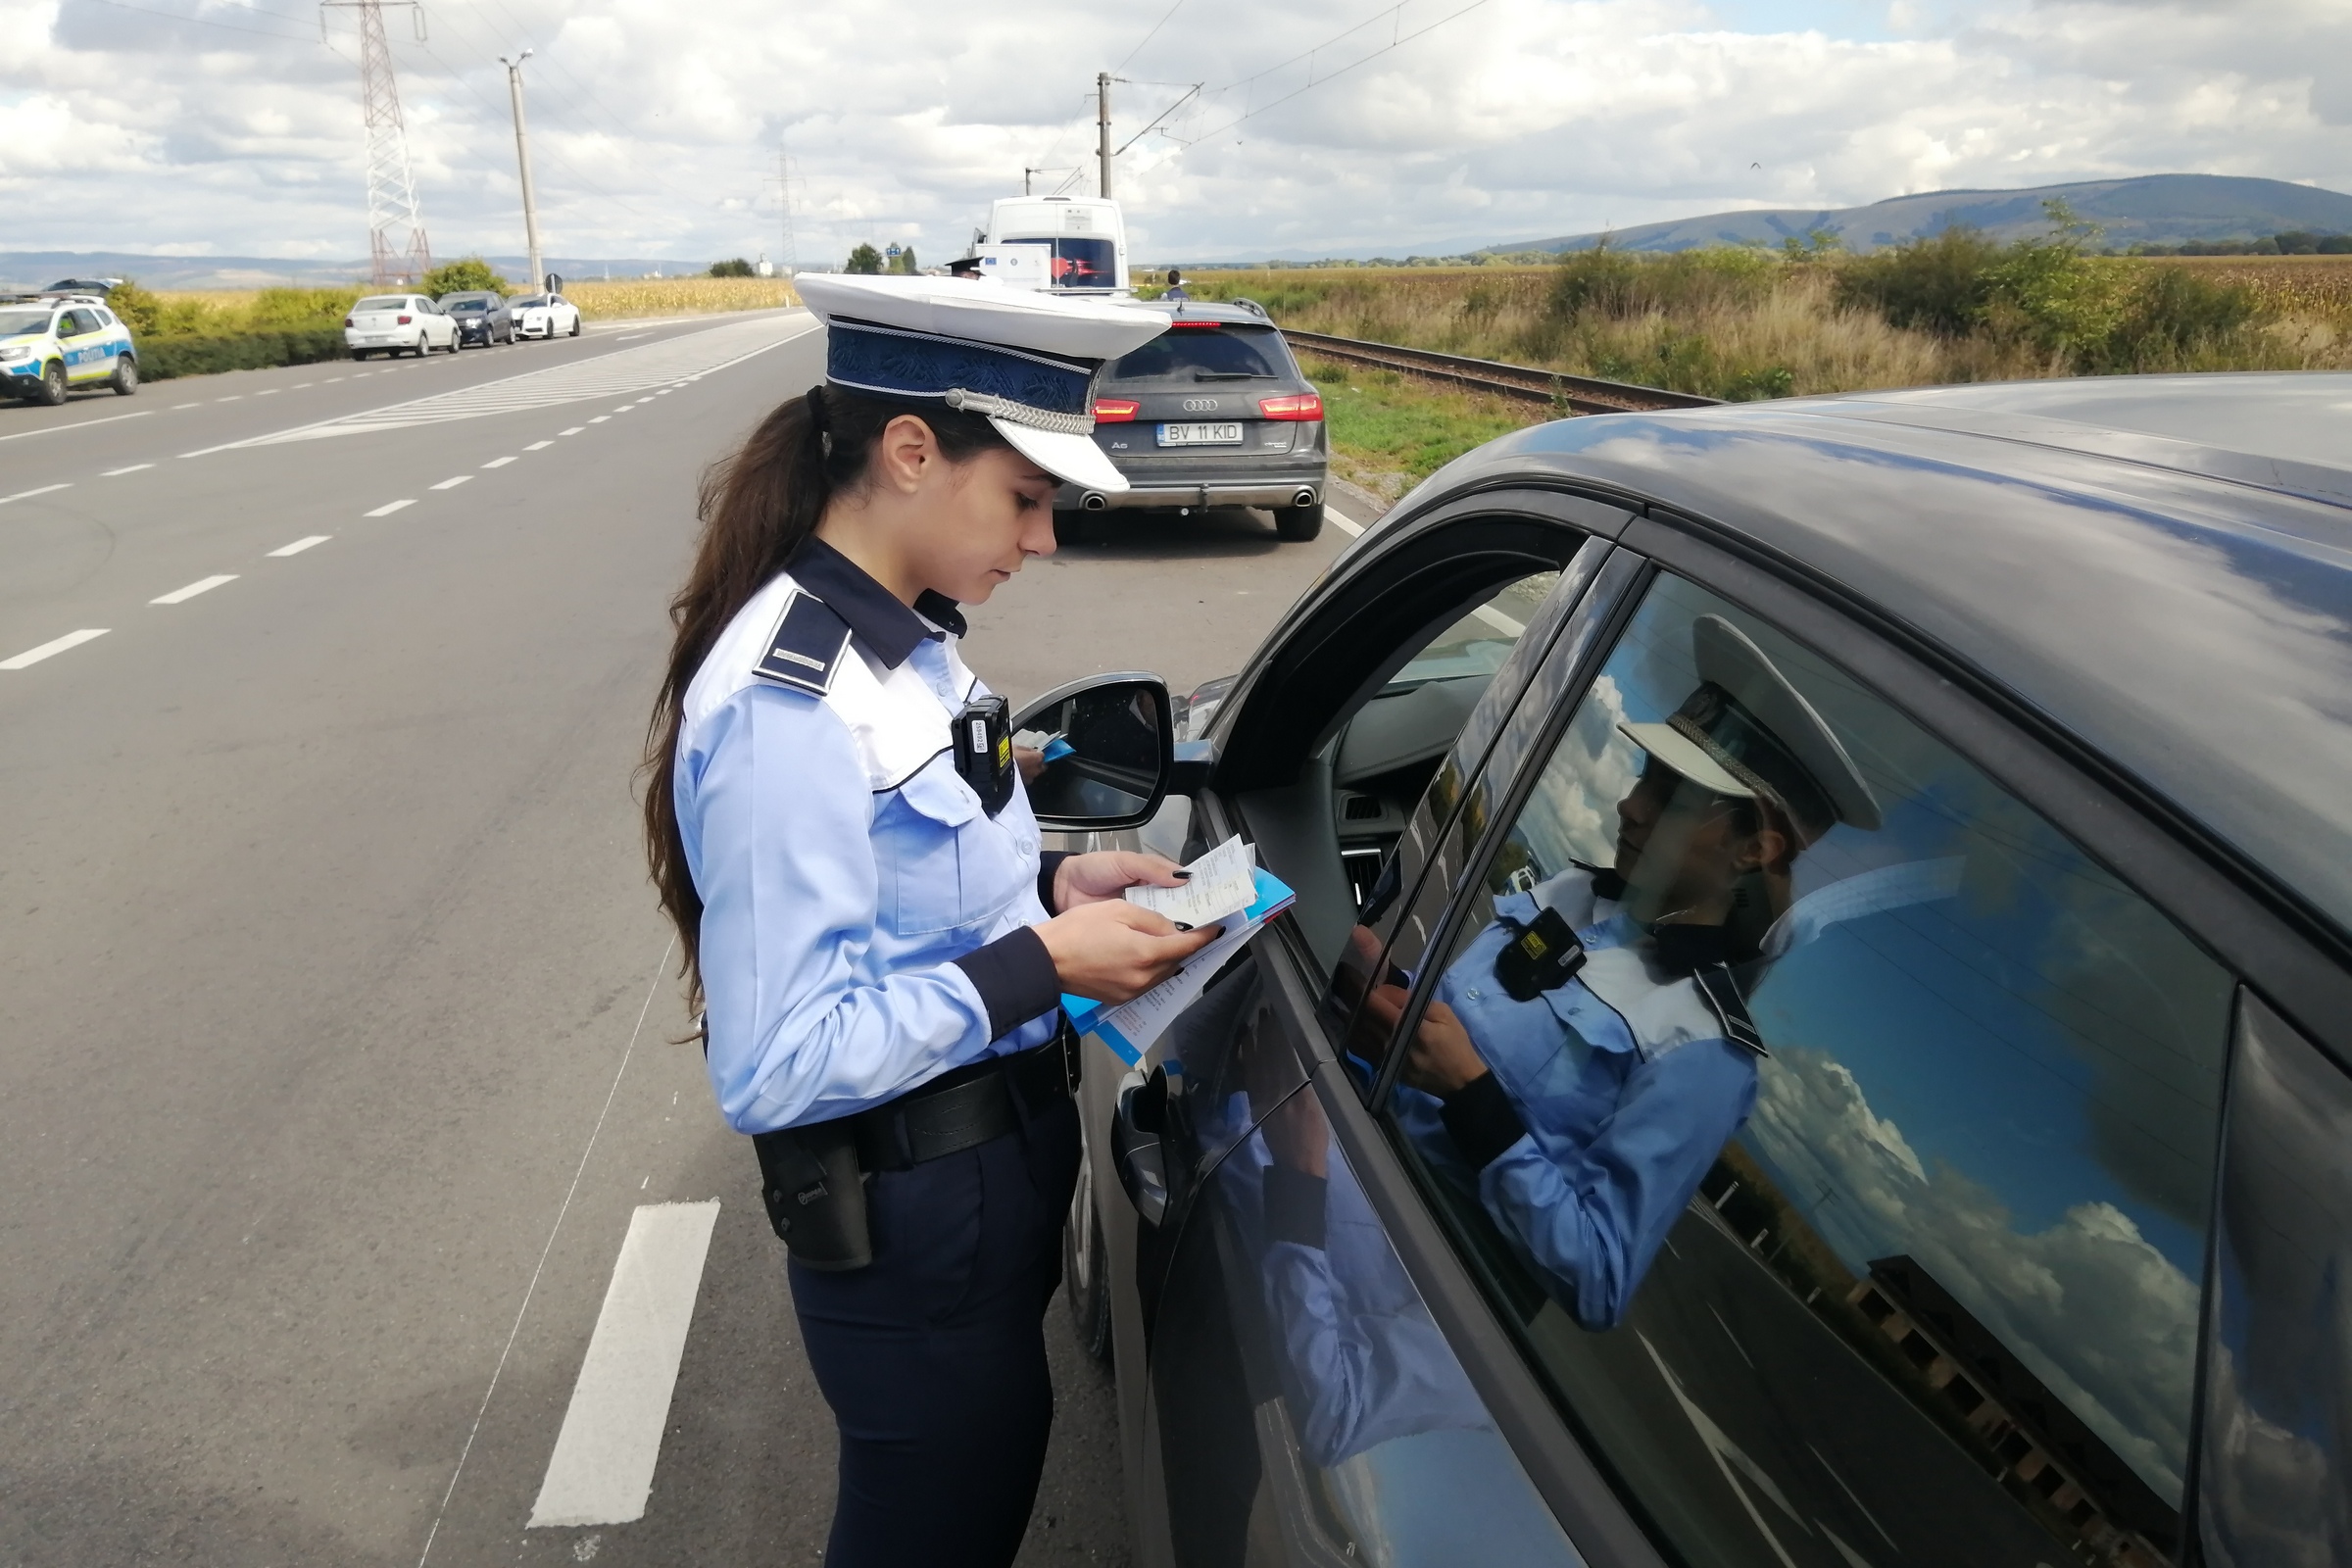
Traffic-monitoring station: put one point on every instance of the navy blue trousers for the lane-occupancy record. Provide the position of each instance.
(933, 1356)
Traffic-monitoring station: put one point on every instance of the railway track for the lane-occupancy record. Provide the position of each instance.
(1571, 394)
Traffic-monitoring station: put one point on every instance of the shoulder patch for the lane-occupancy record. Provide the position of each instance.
(1720, 992)
(807, 647)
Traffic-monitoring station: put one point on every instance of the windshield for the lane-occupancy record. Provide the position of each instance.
(527, 299)
(1479, 641)
(386, 302)
(15, 323)
(465, 305)
(1205, 354)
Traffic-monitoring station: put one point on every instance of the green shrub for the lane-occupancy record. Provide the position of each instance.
(162, 358)
(470, 275)
(1938, 284)
(2171, 315)
(864, 259)
(735, 267)
(1614, 285)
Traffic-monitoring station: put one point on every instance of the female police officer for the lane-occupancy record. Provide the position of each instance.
(881, 946)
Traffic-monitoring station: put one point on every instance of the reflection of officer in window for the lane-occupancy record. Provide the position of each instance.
(1588, 1055)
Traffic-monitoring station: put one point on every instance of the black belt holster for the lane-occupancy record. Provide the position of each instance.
(813, 1178)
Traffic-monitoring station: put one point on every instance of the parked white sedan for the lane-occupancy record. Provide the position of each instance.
(398, 324)
(544, 316)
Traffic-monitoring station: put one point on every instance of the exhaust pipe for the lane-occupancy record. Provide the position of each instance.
(1096, 501)
(1304, 498)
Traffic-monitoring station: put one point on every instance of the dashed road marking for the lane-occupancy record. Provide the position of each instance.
(202, 585)
(575, 430)
(268, 391)
(177, 407)
(300, 545)
(83, 424)
(231, 397)
(389, 507)
(34, 656)
(536, 445)
(116, 473)
(1354, 530)
(500, 462)
(28, 494)
(452, 484)
(299, 385)
(600, 418)
(603, 1468)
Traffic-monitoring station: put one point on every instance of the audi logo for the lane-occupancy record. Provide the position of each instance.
(1200, 405)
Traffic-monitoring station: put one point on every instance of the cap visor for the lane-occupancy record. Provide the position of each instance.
(1678, 751)
(1071, 459)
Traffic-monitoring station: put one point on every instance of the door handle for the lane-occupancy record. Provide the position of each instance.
(1136, 1127)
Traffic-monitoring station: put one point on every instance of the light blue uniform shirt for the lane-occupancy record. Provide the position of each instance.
(1625, 1082)
(843, 867)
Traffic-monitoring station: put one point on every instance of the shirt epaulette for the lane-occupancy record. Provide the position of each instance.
(1721, 993)
(807, 647)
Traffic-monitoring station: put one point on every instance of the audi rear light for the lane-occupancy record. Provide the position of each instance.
(1300, 406)
(406, 320)
(348, 321)
(1116, 411)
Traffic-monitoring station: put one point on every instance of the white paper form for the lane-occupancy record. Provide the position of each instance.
(1140, 1023)
(1221, 885)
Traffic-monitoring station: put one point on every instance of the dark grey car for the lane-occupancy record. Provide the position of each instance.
(482, 318)
(2031, 1238)
(1212, 412)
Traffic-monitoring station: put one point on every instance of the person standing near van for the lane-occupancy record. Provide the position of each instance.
(879, 943)
(1175, 289)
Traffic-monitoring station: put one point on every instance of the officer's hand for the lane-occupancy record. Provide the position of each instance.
(1093, 878)
(1114, 952)
(1440, 1059)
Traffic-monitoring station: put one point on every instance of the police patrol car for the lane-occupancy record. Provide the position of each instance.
(52, 343)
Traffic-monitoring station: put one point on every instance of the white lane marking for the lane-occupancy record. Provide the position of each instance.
(600, 418)
(625, 408)
(299, 385)
(500, 462)
(603, 1468)
(660, 971)
(83, 425)
(300, 545)
(176, 408)
(452, 484)
(1503, 624)
(270, 392)
(26, 495)
(625, 371)
(665, 391)
(389, 507)
(1354, 530)
(645, 400)
(536, 445)
(332, 379)
(231, 397)
(575, 430)
(116, 473)
(202, 585)
(632, 338)
(34, 656)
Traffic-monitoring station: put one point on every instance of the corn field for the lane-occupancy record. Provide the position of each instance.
(636, 299)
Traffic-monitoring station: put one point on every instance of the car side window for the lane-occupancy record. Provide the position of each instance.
(76, 323)
(1838, 1136)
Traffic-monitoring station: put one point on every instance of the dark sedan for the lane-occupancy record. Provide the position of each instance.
(1212, 412)
(482, 318)
(1817, 1025)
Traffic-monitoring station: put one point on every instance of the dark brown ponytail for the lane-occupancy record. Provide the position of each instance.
(756, 508)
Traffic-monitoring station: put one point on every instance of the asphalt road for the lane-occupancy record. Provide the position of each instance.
(337, 1057)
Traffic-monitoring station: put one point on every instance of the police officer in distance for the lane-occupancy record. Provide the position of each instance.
(1589, 1052)
(837, 827)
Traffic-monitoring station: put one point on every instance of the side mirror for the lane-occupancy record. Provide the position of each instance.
(1098, 754)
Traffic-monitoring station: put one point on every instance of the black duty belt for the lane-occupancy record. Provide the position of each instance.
(967, 1106)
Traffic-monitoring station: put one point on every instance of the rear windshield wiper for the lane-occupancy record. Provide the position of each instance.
(1233, 375)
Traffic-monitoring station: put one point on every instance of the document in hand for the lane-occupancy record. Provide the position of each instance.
(1133, 1027)
(1220, 886)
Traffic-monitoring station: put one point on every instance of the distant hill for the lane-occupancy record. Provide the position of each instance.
(23, 269)
(2153, 210)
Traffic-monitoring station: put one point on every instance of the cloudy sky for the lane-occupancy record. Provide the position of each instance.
(229, 126)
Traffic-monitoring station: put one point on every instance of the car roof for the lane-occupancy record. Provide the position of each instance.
(2161, 567)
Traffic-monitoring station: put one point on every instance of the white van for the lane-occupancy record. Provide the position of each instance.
(1087, 236)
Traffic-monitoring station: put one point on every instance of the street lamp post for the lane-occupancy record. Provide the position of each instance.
(522, 156)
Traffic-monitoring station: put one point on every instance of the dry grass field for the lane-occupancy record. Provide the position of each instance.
(632, 299)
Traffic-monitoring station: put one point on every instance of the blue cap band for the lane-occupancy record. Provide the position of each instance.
(893, 362)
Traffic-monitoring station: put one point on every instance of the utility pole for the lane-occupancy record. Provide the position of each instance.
(1102, 126)
(391, 182)
(522, 157)
(790, 255)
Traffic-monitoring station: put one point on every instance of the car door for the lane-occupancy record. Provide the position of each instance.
(1400, 668)
(89, 356)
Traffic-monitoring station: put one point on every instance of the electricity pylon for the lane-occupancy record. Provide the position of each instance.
(391, 183)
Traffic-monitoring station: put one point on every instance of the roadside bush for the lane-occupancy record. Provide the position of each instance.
(469, 275)
(1615, 285)
(734, 267)
(162, 358)
(2172, 315)
(1940, 284)
(864, 259)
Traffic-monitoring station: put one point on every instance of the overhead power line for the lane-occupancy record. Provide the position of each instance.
(1397, 41)
(204, 21)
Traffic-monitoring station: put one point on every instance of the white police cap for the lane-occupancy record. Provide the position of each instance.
(1749, 734)
(1026, 360)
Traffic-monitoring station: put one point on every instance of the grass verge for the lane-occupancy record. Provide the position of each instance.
(1388, 431)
